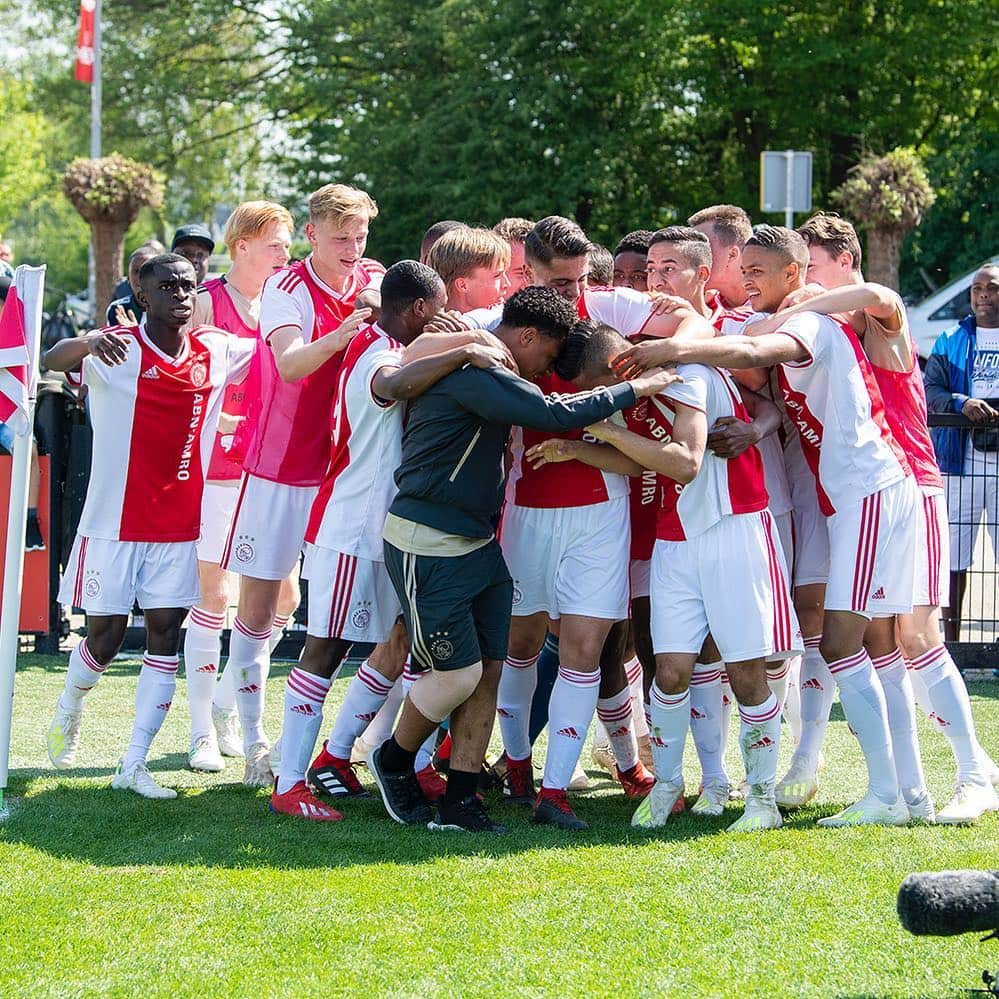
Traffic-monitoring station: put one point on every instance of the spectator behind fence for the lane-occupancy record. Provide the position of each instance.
(962, 376)
(125, 309)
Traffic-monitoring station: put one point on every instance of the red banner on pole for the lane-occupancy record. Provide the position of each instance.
(84, 68)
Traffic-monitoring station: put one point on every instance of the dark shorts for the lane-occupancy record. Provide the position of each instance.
(457, 609)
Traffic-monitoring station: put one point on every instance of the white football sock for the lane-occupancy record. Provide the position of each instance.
(224, 698)
(950, 710)
(82, 676)
(615, 714)
(728, 704)
(633, 671)
(425, 754)
(153, 696)
(249, 657)
(304, 694)
(570, 711)
(278, 625)
(384, 721)
(202, 650)
(891, 673)
(816, 691)
(366, 693)
(706, 718)
(668, 732)
(864, 706)
(777, 680)
(759, 740)
(792, 700)
(518, 681)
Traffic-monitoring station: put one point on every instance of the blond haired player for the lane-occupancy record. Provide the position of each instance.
(514, 230)
(309, 312)
(472, 263)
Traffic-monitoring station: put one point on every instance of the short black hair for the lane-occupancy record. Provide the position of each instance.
(635, 242)
(555, 237)
(405, 282)
(601, 265)
(779, 239)
(161, 258)
(542, 308)
(588, 349)
(694, 246)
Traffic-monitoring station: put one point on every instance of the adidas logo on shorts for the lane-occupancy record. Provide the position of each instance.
(878, 594)
(569, 733)
(303, 709)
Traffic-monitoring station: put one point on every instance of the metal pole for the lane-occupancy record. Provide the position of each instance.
(788, 186)
(95, 144)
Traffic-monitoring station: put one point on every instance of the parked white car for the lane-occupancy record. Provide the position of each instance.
(940, 311)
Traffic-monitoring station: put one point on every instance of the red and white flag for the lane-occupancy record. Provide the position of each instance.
(22, 312)
(84, 68)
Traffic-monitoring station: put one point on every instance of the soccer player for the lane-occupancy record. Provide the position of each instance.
(309, 312)
(864, 486)
(472, 263)
(630, 257)
(351, 598)
(257, 236)
(878, 316)
(712, 510)
(601, 273)
(581, 577)
(514, 230)
(154, 394)
(728, 230)
(443, 557)
(434, 233)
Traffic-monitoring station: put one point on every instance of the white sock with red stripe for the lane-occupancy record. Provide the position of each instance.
(384, 721)
(249, 657)
(82, 676)
(278, 625)
(518, 681)
(670, 715)
(867, 715)
(891, 673)
(816, 692)
(570, 711)
(366, 694)
(705, 720)
(153, 696)
(728, 704)
(202, 651)
(616, 715)
(777, 680)
(950, 710)
(633, 671)
(792, 698)
(304, 694)
(759, 740)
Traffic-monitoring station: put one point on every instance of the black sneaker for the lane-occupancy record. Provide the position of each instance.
(33, 540)
(464, 816)
(401, 793)
(336, 782)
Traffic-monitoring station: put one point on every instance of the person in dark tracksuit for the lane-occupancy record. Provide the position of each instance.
(443, 557)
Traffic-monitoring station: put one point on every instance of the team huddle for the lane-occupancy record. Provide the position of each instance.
(691, 475)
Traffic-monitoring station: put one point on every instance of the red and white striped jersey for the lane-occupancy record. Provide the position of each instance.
(291, 440)
(349, 511)
(226, 462)
(834, 403)
(154, 419)
(727, 319)
(571, 483)
(723, 486)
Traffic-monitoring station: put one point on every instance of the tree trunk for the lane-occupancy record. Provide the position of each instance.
(109, 249)
(884, 251)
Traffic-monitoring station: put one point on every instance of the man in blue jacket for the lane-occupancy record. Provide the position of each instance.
(962, 376)
(443, 557)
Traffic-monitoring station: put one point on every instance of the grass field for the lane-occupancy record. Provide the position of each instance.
(105, 893)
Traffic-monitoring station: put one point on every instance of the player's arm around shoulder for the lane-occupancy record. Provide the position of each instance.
(412, 379)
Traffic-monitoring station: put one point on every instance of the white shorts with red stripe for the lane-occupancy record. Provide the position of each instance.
(872, 553)
(811, 541)
(932, 550)
(350, 598)
(107, 577)
(217, 507)
(268, 528)
(731, 580)
(640, 577)
(569, 560)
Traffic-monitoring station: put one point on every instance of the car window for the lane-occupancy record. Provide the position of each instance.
(955, 308)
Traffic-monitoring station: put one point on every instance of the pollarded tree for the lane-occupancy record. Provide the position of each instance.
(888, 196)
(109, 193)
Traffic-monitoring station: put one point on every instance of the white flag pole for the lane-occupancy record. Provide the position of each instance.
(29, 282)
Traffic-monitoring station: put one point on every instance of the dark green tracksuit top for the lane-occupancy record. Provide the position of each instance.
(451, 476)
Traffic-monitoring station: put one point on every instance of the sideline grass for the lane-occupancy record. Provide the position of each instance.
(105, 893)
